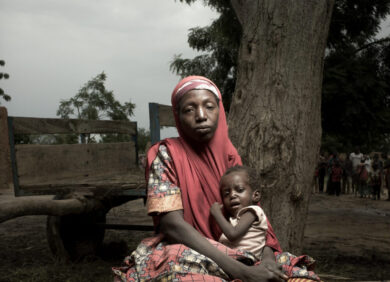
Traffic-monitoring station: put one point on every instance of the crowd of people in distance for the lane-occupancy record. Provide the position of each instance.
(356, 174)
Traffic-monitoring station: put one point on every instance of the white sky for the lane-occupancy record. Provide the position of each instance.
(53, 47)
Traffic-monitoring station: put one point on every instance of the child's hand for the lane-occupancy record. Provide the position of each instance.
(216, 209)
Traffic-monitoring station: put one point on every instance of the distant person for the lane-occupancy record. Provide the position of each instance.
(247, 226)
(386, 172)
(332, 159)
(321, 168)
(347, 176)
(375, 181)
(355, 157)
(368, 162)
(362, 174)
(336, 175)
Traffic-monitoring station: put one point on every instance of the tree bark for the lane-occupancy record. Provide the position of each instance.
(5, 153)
(41, 205)
(275, 115)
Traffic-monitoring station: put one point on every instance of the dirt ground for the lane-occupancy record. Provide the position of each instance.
(349, 237)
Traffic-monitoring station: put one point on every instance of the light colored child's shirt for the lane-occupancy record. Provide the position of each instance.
(254, 240)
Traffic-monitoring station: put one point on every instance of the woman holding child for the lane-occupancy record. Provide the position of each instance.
(183, 177)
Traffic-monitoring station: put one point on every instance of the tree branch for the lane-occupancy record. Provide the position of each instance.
(368, 45)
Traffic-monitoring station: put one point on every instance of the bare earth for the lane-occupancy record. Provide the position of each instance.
(349, 237)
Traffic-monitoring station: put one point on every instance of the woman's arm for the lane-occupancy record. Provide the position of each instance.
(232, 232)
(177, 230)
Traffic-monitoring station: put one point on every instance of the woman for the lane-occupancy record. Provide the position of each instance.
(183, 175)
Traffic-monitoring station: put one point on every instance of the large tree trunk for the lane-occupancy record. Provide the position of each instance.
(275, 115)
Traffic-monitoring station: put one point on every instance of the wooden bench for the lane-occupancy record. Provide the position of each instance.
(106, 173)
(98, 170)
(108, 168)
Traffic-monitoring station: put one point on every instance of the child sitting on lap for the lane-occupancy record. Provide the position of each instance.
(247, 228)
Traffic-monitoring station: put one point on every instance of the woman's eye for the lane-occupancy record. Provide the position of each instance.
(187, 110)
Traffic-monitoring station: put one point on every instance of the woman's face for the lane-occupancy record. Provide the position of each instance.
(198, 115)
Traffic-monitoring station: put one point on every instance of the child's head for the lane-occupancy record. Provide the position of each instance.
(239, 188)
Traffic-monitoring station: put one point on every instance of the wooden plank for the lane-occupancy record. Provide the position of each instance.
(26, 125)
(166, 115)
(76, 164)
(5, 152)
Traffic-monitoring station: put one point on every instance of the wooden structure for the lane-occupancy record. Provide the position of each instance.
(104, 174)
(100, 175)
(159, 116)
(109, 168)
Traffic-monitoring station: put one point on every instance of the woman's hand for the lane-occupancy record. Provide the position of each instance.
(216, 209)
(272, 266)
(260, 273)
(268, 262)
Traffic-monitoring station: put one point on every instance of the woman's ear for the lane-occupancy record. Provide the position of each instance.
(256, 196)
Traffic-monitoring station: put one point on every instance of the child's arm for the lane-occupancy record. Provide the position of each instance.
(232, 232)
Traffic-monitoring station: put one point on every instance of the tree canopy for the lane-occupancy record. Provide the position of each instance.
(93, 101)
(4, 75)
(355, 99)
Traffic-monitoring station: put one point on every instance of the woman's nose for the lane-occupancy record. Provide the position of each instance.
(200, 114)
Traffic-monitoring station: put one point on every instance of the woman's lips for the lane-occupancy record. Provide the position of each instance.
(203, 130)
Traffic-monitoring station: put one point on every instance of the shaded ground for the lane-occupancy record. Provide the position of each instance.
(349, 237)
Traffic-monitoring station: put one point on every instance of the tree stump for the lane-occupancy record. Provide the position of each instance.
(74, 237)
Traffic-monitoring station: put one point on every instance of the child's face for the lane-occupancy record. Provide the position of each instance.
(236, 192)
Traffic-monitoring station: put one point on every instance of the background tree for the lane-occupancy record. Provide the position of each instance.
(94, 102)
(4, 75)
(143, 139)
(354, 25)
(356, 95)
(355, 109)
(220, 41)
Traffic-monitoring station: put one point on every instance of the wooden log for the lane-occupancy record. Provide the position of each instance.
(27, 125)
(5, 155)
(43, 206)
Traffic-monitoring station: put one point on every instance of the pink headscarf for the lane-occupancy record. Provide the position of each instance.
(199, 167)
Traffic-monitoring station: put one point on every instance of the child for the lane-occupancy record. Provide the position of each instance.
(247, 228)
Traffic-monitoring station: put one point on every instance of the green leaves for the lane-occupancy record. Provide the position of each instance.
(356, 91)
(94, 102)
(220, 42)
(3, 75)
